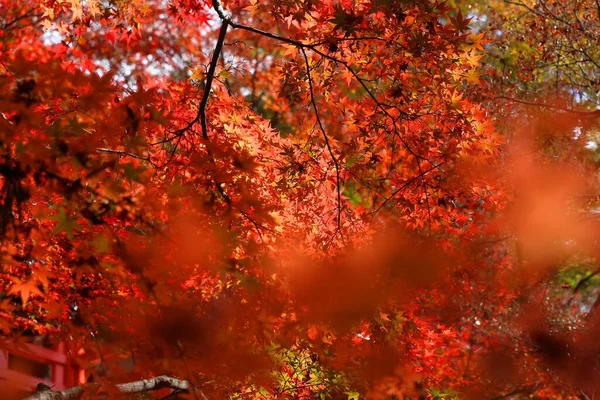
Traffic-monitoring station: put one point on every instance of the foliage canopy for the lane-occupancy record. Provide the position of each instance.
(333, 199)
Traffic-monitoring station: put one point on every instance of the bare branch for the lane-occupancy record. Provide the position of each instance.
(525, 390)
(121, 153)
(144, 385)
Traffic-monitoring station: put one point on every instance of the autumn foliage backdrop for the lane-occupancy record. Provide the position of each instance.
(329, 199)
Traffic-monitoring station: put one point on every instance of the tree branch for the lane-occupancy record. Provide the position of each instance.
(582, 114)
(584, 280)
(210, 76)
(405, 185)
(144, 385)
(527, 389)
(327, 143)
(121, 153)
(226, 18)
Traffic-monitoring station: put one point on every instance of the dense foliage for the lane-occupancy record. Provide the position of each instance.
(336, 199)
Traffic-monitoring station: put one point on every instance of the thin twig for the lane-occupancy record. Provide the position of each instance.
(121, 153)
(583, 114)
(327, 144)
(584, 280)
(405, 185)
(314, 47)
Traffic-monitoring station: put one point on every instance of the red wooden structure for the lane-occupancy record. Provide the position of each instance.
(23, 367)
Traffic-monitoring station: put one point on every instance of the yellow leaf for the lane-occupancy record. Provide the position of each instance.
(456, 100)
(290, 50)
(76, 9)
(473, 76)
(383, 316)
(93, 8)
(197, 74)
(48, 12)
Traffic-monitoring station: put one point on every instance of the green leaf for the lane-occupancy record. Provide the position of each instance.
(76, 128)
(65, 223)
(351, 193)
(353, 395)
(158, 116)
(101, 244)
(352, 160)
(132, 173)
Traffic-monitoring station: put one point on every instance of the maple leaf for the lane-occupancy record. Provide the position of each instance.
(472, 58)
(476, 40)
(43, 275)
(93, 8)
(353, 395)
(456, 100)
(290, 51)
(24, 289)
(48, 13)
(460, 23)
(197, 73)
(76, 9)
(345, 21)
(472, 76)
